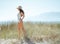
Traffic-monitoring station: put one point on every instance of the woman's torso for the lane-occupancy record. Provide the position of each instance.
(19, 16)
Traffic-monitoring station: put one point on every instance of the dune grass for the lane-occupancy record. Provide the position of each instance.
(32, 29)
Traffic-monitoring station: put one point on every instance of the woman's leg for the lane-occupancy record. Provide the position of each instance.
(24, 31)
(18, 31)
(18, 34)
(21, 30)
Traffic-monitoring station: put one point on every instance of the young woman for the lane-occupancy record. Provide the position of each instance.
(21, 15)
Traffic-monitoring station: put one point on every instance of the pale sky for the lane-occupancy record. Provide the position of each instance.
(32, 8)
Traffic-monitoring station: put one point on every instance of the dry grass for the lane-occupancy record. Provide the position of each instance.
(35, 31)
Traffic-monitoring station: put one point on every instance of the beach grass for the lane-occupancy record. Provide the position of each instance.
(34, 31)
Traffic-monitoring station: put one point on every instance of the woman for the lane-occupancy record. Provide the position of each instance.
(21, 31)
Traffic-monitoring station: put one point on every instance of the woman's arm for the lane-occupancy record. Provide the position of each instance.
(22, 16)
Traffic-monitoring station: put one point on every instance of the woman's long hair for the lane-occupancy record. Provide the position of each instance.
(21, 11)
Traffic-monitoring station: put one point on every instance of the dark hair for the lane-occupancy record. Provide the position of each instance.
(21, 11)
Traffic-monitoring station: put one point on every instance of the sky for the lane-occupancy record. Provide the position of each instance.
(34, 10)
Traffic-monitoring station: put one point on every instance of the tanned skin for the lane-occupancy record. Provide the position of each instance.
(20, 24)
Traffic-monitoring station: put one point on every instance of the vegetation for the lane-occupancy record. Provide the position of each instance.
(35, 31)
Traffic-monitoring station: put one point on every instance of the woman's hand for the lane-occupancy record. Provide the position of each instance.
(21, 19)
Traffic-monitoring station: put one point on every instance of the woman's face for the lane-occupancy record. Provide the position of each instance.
(18, 10)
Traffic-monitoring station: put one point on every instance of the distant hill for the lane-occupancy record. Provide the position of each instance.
(52, 13)
(47, 17)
